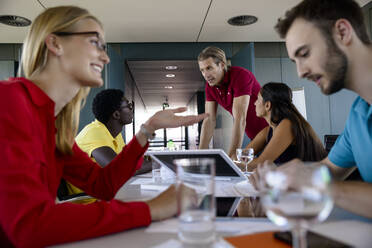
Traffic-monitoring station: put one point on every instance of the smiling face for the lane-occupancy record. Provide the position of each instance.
(213, 73)
(316, 59)
(83, 58)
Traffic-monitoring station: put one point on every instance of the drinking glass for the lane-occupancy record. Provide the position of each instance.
(196, 207)
(245, 156)
(156, 172)
(296, 198)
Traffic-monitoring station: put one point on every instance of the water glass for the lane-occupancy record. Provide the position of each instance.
(296, 198)
(196, 207)
(156, 174)
(245, 156)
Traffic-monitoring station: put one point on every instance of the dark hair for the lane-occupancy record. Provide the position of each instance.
(324, 14)
(107, 102)
(308, 145)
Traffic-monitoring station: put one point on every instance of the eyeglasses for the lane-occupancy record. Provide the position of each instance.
(129, 106)
(100, 44)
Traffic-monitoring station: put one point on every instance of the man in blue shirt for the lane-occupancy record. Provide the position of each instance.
(328, 41)
(354, 146)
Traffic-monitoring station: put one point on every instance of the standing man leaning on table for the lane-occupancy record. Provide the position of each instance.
(236, 90)
(328, 41)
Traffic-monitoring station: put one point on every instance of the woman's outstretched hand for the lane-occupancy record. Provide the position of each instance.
(167, 118)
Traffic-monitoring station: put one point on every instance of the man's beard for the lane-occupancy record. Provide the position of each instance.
(336, 67)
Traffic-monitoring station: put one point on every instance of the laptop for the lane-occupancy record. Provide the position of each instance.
(226, 169)
(227, 206)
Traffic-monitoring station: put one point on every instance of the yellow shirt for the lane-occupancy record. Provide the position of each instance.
(93, 136)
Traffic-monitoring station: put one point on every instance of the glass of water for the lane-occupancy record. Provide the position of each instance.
(156, 172)
(245, 156)
(196, 207)
(296, 198)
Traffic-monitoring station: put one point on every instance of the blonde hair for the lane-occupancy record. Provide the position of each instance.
(217, 54)
(34, 59)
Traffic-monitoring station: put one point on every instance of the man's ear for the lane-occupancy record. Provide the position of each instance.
(343, 32)
(116, 115)
(222, 65)
(53, 44)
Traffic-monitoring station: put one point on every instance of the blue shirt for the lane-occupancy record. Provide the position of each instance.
(354, 146)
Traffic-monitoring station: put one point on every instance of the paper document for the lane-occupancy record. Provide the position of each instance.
(245, 188)
(173, 243)
(142, 181)
(148, 184)
(226, 226)
(225, 189)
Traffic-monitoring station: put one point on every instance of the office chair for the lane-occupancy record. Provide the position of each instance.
(329, 141)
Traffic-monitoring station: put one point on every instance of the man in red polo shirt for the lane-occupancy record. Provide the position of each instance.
(235, 89)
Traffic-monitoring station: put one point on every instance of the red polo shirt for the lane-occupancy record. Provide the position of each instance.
(237, 82)
(31, 169)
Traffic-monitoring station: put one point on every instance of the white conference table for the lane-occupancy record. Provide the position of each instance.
(341, 225)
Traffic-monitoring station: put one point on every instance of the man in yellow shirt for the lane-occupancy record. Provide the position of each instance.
(102, 139)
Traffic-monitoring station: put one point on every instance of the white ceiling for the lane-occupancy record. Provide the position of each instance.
(163, 20)
(151, 82)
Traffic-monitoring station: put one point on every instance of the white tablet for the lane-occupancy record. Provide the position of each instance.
(225, 167)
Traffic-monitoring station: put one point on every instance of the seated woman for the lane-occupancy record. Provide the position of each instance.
(288, 135)
(63, 57)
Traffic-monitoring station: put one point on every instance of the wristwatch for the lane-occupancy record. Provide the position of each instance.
(148, 135)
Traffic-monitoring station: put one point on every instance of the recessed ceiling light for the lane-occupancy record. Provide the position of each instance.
(242, 20)
(171, 67)
(168, 87)
(170, 75)
(13, 20)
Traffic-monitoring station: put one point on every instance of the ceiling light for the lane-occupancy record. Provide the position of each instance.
(242, 20)
(168, 87)
(170, 75)
(13, 20)
(171, 67)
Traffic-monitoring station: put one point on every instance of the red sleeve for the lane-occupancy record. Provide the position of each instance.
(243, 83)
(29, 216)
(103, 183)
(139, 163)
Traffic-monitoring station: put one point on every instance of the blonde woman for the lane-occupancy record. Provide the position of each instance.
(63, 56)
